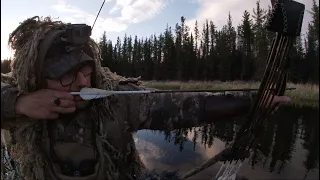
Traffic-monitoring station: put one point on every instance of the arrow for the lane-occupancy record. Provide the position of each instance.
(94, 93)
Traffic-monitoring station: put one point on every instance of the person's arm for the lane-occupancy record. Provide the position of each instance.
(183, 110)
(9, 95)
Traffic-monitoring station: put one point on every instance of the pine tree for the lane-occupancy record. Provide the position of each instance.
(312, 63)
(103, 47)
(297, 66)
(212, 66)
(260, 40)
(246, 38)
(135, 56)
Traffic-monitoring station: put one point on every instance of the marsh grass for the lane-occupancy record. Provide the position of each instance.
(304, 95)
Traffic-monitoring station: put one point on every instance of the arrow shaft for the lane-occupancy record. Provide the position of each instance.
(224, 90)
(163, 91)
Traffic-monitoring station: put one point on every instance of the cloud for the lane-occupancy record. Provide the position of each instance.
(63, 7)
(139, 10)
(120, 4)
(75, 15)
(217, 11)
(206, 152)
(131, 11)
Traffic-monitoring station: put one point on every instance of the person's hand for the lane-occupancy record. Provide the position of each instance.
(40, 104)
(279, 100)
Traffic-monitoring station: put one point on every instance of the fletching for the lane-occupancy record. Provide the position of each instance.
(92, 93)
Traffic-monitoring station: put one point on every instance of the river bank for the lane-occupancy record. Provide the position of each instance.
(303, 95)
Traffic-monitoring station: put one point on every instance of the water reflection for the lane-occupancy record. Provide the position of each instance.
(287, 148)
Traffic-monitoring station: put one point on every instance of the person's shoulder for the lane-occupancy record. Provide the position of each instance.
(122, 83)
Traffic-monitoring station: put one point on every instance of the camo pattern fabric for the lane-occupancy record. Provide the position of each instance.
(9, 168)
(8, 97)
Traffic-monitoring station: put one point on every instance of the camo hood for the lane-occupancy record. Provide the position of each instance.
(25, 41)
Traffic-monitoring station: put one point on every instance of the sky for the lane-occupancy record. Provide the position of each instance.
(132, 17)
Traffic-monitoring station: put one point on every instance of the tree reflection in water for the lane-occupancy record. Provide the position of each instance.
(274, 147)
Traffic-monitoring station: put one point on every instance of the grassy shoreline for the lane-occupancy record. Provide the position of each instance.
(304, 95)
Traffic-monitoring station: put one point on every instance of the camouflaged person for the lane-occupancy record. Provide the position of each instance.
(55, 135)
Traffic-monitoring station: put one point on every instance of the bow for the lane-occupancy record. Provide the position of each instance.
(286, 20)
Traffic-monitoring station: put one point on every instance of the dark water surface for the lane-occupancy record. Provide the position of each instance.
(287, 149)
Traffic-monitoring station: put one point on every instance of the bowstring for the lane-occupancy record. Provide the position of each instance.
(81, 53)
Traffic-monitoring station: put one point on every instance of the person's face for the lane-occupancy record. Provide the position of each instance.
(73, 81)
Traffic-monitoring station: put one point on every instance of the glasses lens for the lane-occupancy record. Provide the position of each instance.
(71, 77)
(68, 79)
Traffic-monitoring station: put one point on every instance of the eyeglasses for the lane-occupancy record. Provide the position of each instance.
(71, 76)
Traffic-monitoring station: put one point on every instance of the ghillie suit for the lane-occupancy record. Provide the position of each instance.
(44, 149)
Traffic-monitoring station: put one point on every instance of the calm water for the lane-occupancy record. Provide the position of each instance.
(288, 148)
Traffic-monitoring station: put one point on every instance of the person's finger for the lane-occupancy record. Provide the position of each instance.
(284, 99)
(67, 103)
(63, 110)
(63, 95)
